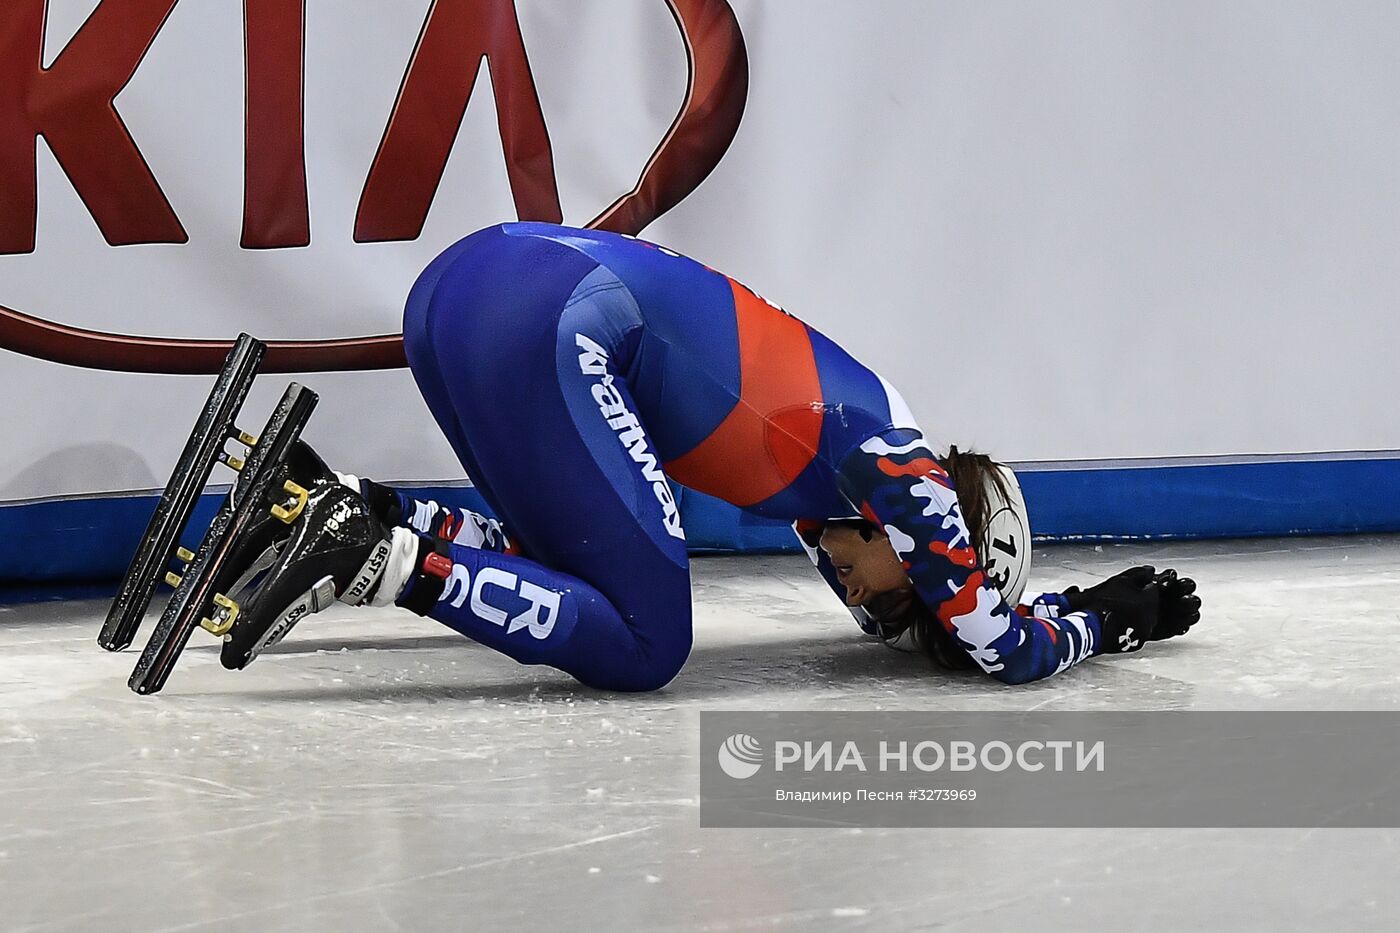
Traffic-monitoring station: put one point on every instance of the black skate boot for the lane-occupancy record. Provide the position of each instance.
(257, 548)
(337, 549)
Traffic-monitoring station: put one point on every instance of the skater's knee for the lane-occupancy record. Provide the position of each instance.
(638, 680)
(651, 668)
(657, 674)
(666, 656)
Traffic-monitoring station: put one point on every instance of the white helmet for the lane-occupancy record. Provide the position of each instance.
(1005, 547)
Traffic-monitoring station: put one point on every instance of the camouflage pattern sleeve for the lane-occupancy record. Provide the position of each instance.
(895, 482)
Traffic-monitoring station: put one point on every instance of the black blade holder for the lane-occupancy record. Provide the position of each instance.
(204, 448)
(262, 485)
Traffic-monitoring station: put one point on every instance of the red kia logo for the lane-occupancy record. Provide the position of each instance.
(71, 104)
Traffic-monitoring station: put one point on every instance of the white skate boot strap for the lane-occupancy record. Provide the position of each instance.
(385, 571)
(368, 574)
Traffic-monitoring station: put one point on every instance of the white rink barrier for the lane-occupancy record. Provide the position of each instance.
(1147, 247)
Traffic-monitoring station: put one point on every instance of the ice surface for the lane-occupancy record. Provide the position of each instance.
(377, 771)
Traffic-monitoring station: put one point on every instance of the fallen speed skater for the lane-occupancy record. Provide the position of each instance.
(577, 374)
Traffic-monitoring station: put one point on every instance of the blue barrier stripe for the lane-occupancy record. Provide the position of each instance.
(92, 538)
(1216, 501)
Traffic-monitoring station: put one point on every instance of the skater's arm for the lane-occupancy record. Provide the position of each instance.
(895, 482)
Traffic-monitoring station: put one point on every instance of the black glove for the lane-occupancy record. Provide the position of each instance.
(1180, 608)
(1129, 605)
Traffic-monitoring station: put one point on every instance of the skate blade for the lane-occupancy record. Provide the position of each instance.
(319, 597)
(177, 502)
(196, 596)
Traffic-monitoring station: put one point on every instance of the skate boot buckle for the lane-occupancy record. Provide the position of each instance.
(292, 508)
(224, 616)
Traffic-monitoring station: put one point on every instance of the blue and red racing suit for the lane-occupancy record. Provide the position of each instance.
(575, 371)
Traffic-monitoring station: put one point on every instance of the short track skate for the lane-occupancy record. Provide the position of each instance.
(263, 486)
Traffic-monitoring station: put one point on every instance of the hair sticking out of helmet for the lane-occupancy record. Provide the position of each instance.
(995, 513)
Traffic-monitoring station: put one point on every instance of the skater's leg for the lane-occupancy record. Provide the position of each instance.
(448, 518)
(423, 362)
(537, 615)
(583, 491)
(452, 518)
